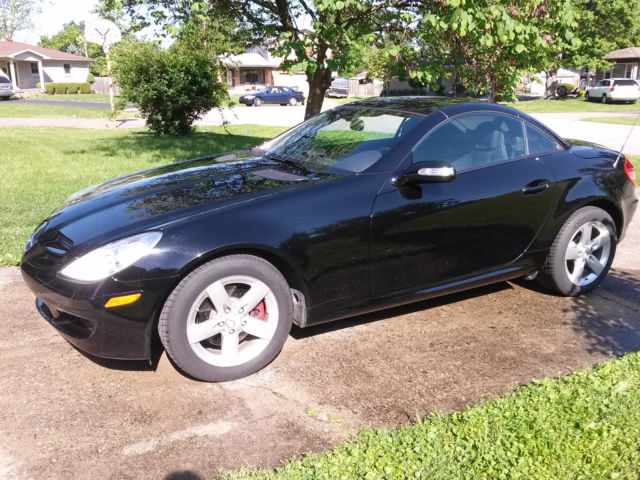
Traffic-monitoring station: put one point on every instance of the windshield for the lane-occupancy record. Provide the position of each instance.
(625, 83)
(345, 139)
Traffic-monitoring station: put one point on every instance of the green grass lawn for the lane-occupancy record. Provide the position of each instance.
(88, 97)
(571, 105)
(626, 120)
(635, 159)
(584, 426)
(42, 166)
(26, 110)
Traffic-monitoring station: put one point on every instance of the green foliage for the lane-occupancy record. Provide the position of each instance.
(90, 78)
(171, 88)
(489, 44)
(62, 88)
(74, 158)
(584, 426)
(603, 26)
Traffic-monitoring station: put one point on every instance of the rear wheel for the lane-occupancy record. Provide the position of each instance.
(5, 98)
(604, 99)
(582, 252)
(586, 97)
(227, 319)
(257, 102)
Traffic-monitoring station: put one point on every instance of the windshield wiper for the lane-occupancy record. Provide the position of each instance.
(287, 160)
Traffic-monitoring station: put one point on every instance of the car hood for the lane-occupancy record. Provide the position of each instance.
(156, 197)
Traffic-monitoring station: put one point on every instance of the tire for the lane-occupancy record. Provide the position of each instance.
(5, 98)
(604, 99)
(230, 342)
(257, 101)
(562, 91)
(593, 254)
(293, 101)
(586, 97)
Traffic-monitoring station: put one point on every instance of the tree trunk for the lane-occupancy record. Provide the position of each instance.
(551, 84)
(319, 81)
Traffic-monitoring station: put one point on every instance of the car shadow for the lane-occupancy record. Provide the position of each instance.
(149, 365)
(609, 317)
(300, 333)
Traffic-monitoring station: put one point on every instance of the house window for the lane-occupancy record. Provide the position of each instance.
(252, 76)
(34, 68)
(67, 68)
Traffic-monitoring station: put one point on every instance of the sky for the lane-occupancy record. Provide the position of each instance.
(54, 14)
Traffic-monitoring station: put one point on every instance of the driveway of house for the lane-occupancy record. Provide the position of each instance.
(568, 125)
(63, 415)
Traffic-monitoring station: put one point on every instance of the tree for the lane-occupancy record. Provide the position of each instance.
(489, 44)
(316, 38)
(71, 40)
(172, 87)
(16, 15)
(603, 26)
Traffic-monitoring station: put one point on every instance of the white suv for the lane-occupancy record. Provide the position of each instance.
(6, 88)
(614, 90)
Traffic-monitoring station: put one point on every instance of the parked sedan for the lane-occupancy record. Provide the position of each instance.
(614, 90)
(6, 88)
(367, 206)
(281, 95)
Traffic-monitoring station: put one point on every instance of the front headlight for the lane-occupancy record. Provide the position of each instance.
(249, 97)
(111, 258)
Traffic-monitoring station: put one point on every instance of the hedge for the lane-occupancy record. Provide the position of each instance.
(61, 88)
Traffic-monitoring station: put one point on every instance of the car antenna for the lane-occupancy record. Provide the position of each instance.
(615, 164)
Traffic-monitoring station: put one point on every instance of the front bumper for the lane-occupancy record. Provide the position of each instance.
(77, 312)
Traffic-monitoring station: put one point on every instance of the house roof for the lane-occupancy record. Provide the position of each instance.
(10, 49)
(625, 53)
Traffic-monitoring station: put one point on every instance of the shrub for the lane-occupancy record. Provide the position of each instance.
(85, 88)
(59, 88)
(50, 88)
(90, 78)
(171, 88)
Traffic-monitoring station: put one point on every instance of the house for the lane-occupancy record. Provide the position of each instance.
(255, 69)
(26, 65)
(627, 64)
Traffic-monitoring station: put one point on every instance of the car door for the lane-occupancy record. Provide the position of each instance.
(432, 233)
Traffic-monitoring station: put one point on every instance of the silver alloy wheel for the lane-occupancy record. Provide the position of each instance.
(232, 321)
(293, 101)
(604, 99)
(587, 253)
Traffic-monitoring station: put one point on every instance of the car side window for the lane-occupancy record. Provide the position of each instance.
(539, 142)
(473, 140)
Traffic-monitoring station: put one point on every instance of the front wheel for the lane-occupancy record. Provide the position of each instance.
(586, 97)
(257, 102)
(227, 319)
(582, 252)
(293, 101)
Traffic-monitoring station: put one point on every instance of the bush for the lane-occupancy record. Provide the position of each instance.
(90, 78)
(85, 88)
(49, 88)
(171, 88)
(59, 88)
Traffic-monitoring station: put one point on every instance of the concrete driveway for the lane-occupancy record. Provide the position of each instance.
(63, 415)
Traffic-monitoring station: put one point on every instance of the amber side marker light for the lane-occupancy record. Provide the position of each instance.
(123, 300)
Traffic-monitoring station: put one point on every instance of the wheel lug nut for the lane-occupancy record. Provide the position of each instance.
(241, 310)
(221, 324)
(232, 331)
(227, 309)
(243, 323)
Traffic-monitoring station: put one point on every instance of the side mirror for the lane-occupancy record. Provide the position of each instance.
(425, 172)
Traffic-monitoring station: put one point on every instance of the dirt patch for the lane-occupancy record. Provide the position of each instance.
(64, 416)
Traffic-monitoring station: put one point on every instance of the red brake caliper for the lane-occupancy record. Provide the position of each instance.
(259, 311)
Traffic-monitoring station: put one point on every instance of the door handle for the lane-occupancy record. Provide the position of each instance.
(537, 186)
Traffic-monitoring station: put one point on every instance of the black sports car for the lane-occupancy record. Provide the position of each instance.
(369, 205)
(280, 95)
